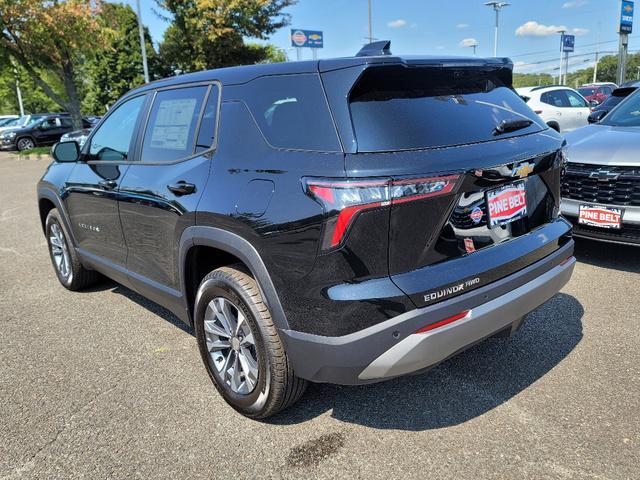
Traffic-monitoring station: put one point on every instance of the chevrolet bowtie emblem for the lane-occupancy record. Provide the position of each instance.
(604, 175)
(522, 170)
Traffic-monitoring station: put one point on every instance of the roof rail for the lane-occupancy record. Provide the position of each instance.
(540, 87)
(375, 49)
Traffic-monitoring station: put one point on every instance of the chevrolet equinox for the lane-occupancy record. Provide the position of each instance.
(347, 220)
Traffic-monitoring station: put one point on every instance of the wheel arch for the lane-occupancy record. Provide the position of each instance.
(555, 125)
(48, 200)
(233, 249)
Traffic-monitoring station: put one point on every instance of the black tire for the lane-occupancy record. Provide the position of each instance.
(25, 144)
(277, 386)
(78, 277)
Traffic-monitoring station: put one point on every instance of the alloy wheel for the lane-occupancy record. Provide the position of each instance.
(25, 144)
(59, 251)
(231, 345)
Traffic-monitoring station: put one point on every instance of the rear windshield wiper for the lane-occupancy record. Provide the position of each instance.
(512, 125)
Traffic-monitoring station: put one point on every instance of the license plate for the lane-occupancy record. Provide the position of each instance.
(506, 204)
(598, 216)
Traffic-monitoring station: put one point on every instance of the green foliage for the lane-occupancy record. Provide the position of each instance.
(116, 68)
(531, 79)
(210, 33)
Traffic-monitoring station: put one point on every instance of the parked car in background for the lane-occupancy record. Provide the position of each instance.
(80, 136)
(562, 108)
(597, 92)
(22, 121)
(45, 130)
(601, 185)
(619, 94)
(344, 220)
(4, 119)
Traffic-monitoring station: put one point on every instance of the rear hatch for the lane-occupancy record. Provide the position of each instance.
(472, 175)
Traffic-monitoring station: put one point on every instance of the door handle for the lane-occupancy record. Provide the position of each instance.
(108, 184)
(182, 188)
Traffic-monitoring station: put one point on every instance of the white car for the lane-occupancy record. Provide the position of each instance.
(562, 108)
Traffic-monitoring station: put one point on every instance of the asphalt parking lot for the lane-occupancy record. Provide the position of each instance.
(104, 384)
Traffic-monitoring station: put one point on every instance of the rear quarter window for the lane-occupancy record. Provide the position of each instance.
(292, 112)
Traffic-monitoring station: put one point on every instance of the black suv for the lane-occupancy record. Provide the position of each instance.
(345, 221)
(46, 129)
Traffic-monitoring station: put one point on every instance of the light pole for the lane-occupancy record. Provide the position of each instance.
(561, 32)
(142, 45)
(497, 6)
(18, 92)
(370, 29)
(473, 45)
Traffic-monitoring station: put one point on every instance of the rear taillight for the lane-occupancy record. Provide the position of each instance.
(343, 200)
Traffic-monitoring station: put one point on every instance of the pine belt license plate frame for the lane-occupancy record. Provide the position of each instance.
(600, 222)
(518, 189)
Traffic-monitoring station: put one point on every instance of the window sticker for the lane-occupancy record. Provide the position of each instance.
(173, 121)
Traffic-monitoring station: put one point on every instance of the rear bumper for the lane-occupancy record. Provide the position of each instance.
(392, 349)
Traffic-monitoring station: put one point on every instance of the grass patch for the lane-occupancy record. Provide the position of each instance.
(38, 151)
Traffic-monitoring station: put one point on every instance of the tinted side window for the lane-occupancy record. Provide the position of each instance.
(66, 122)
(292, 112)
(575, 100)
(207, 130)
(113, 139)
(170, 132)
(555, 98)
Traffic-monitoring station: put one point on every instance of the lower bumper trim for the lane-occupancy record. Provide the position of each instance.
(392, 348)
(422, 350)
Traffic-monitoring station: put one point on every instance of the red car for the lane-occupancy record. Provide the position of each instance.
(598, 92)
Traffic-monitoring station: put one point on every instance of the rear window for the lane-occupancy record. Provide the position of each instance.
(292, 112)
(399, 108)
(587, 92)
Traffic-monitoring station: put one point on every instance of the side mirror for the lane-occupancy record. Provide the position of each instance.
(593, 103)
(65, 152)
(595, 117)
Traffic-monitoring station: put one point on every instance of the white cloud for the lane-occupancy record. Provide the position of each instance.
(462, 25)
(535, 29)
(468, 42)
(580, 31)
(574, 4)
(397, 23)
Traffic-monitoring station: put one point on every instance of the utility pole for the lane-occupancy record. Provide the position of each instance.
(595, 66)
(370, 28)
(143, 48)
(497, 6)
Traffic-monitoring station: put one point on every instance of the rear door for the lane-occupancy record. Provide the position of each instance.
(579, 109)
(160, 193)
(558, 109)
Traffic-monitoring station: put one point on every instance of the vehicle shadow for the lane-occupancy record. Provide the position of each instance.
(460, 389)
(166, 315)
(608, 255)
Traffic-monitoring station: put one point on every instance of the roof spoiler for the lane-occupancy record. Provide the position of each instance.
(375, 49)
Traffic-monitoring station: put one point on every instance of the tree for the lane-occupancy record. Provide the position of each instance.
(210, 33)
(116, 68)
(50, 39)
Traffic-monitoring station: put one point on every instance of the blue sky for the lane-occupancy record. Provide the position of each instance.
(527, 28)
